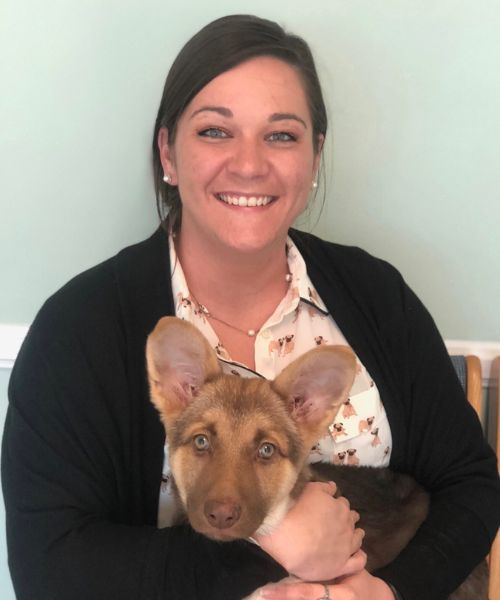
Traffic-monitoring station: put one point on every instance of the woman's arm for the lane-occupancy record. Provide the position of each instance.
(77, 522)
(445, 450)
(436, 435)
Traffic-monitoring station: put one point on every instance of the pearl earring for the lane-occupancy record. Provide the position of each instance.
(314, 185)
(166, 178)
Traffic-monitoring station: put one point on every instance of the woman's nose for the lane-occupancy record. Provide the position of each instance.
(249, 159)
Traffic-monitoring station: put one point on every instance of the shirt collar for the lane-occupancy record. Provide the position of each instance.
(180, 290)
(305, 291)
(300, 279)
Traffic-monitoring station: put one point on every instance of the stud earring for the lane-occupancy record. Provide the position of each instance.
(166, 178)
(314, 184)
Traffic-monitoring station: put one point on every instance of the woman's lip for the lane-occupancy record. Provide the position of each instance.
(234, 199)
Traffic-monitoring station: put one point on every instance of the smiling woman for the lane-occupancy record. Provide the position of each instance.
(244, 166)
(235, 152)
(216, 49)
(89, 494)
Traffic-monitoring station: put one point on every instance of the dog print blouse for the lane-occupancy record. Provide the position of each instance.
(360, 433)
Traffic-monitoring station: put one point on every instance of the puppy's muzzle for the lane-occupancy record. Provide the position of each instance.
(222, 514)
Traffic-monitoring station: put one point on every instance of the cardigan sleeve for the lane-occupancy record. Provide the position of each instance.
(446, 451)
(436, 435)
(71, 487)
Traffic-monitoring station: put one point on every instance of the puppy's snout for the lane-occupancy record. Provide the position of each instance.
(222, 514)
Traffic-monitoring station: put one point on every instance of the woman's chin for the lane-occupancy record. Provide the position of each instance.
(254, 243)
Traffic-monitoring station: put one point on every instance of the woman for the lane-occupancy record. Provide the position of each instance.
(237, 149)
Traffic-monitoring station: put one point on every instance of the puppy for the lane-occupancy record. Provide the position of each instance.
(220, 426)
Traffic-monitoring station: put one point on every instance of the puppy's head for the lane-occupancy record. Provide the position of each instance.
(238, 446)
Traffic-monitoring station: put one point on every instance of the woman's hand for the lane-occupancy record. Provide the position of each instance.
(360, 586)
(317, 539)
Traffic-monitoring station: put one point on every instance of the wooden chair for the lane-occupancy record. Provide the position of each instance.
(494, 426)
(469, 372)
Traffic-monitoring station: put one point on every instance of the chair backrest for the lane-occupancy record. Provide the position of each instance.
(494, 423)
(469, 372)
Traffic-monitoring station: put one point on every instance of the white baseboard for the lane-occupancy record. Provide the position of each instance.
(12, 336)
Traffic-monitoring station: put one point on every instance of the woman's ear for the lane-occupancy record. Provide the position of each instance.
(167, 156)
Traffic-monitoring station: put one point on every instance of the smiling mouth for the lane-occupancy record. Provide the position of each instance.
(235, 200)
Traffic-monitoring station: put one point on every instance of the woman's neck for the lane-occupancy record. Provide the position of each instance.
(241, 285)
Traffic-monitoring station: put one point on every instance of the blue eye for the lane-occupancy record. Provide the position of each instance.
(266, 450)
(281, 136)
(213, 132)
(201, 442)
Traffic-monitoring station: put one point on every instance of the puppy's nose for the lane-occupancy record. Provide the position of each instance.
(222, 514)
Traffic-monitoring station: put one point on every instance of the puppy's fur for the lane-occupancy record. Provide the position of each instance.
(238, 447)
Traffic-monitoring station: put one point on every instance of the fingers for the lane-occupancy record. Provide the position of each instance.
(343, 499)
(354, 514)
(330, 487)
(357, 539)
(354, 564)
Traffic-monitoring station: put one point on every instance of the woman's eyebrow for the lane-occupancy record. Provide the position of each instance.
(286, 117)
(222, 110)
(226, 112)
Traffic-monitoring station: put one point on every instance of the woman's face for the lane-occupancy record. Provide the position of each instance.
(243, 157)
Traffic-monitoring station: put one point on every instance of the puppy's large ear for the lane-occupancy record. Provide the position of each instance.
(315, 386)
(179, 360)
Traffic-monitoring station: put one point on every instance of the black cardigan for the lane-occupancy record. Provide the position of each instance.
(83, 447)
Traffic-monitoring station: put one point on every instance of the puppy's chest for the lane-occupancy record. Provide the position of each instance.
(170, 510)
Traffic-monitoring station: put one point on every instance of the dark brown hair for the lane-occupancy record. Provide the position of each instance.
(218, 47)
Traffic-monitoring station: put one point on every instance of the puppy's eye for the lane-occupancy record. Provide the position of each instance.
(201, 442)
(266, 451)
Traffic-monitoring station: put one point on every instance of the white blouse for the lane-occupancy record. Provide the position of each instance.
(360, 433)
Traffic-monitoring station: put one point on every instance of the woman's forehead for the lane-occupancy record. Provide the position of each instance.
(263, 84)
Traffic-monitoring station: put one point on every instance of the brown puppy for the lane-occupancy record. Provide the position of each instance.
(238, 447)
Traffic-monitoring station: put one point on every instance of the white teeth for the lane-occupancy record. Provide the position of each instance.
(244, 201)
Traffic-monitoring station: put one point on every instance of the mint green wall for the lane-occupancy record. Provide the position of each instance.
(413, 89)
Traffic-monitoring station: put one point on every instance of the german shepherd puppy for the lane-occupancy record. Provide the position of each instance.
(238, 447)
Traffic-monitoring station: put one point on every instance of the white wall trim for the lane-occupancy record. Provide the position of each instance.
(11, 338)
